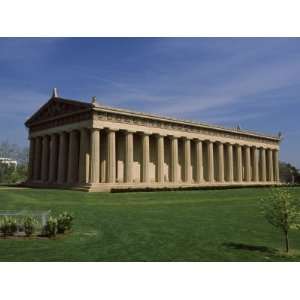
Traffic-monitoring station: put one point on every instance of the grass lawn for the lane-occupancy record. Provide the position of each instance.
(211, 225)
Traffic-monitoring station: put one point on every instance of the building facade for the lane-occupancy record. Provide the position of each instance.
(92, 147)
(8, 161)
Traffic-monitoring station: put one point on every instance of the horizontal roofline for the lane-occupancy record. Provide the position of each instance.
(97, 106)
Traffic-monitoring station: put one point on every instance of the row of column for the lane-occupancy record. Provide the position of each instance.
(74, 157)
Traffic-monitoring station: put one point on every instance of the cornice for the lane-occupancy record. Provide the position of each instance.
(152, 120)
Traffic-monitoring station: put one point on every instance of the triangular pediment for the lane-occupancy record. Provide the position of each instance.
(57, 107)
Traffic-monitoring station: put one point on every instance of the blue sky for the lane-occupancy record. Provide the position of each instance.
(254, 82)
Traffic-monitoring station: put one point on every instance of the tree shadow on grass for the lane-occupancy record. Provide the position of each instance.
(241, 246)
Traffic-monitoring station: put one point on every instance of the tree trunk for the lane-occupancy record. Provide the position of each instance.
(286, 241)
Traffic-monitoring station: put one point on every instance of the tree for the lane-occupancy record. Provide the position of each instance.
(281, 209)
(288, 173)
(11, 174)
(13, 151)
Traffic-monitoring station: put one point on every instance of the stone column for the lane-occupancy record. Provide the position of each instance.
(263, 165)
(239, 163)
(73, 157)
(45, 159)
(111, 156)
(199, 161)
(62, 158)
(84, 156)
(53, 158)
(270, 165)
(220, 162)
(276, 165)
(103, 157)
(210, 161)
(248, 164)
(230, 177)
(160, 159)
(174, 159)
(31, 159)
(187, 160)
(37, 159)
(255, 165)
(95, 155)
(145, 158)
(128, 156)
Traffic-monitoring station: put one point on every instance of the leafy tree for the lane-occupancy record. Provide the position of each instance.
(281, 209)
(288, 173)
(12, 174)
(13, 151)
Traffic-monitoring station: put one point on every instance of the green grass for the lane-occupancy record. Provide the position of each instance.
(211, 225)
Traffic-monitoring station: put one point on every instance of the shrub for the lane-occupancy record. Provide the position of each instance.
(29, 225)
(8, 226)
(282, 209)
(64, 222)
(50, 228)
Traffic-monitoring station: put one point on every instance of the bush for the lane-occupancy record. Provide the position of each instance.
(50, 228)
(8, 226)
(64, 222)
(29, 225)
(282, 209)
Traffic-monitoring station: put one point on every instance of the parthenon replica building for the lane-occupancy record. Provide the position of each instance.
(92, 147)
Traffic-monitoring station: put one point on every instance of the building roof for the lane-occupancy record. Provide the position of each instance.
(71, 105)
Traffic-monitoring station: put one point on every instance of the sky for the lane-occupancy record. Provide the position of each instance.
(250, 82)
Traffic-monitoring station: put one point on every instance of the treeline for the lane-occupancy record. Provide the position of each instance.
(289, 173)
(15, 152)
(10, 173)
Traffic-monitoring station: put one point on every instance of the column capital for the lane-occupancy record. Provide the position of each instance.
(54, 134)
(147, 133)
(98, 127)
(81, 129)
(197, 140)
(110, 129)
(173, 137)
(129, 131)
(160, 134)
(229, 144)
(93, 129)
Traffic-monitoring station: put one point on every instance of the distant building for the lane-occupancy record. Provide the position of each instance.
(8, 161)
